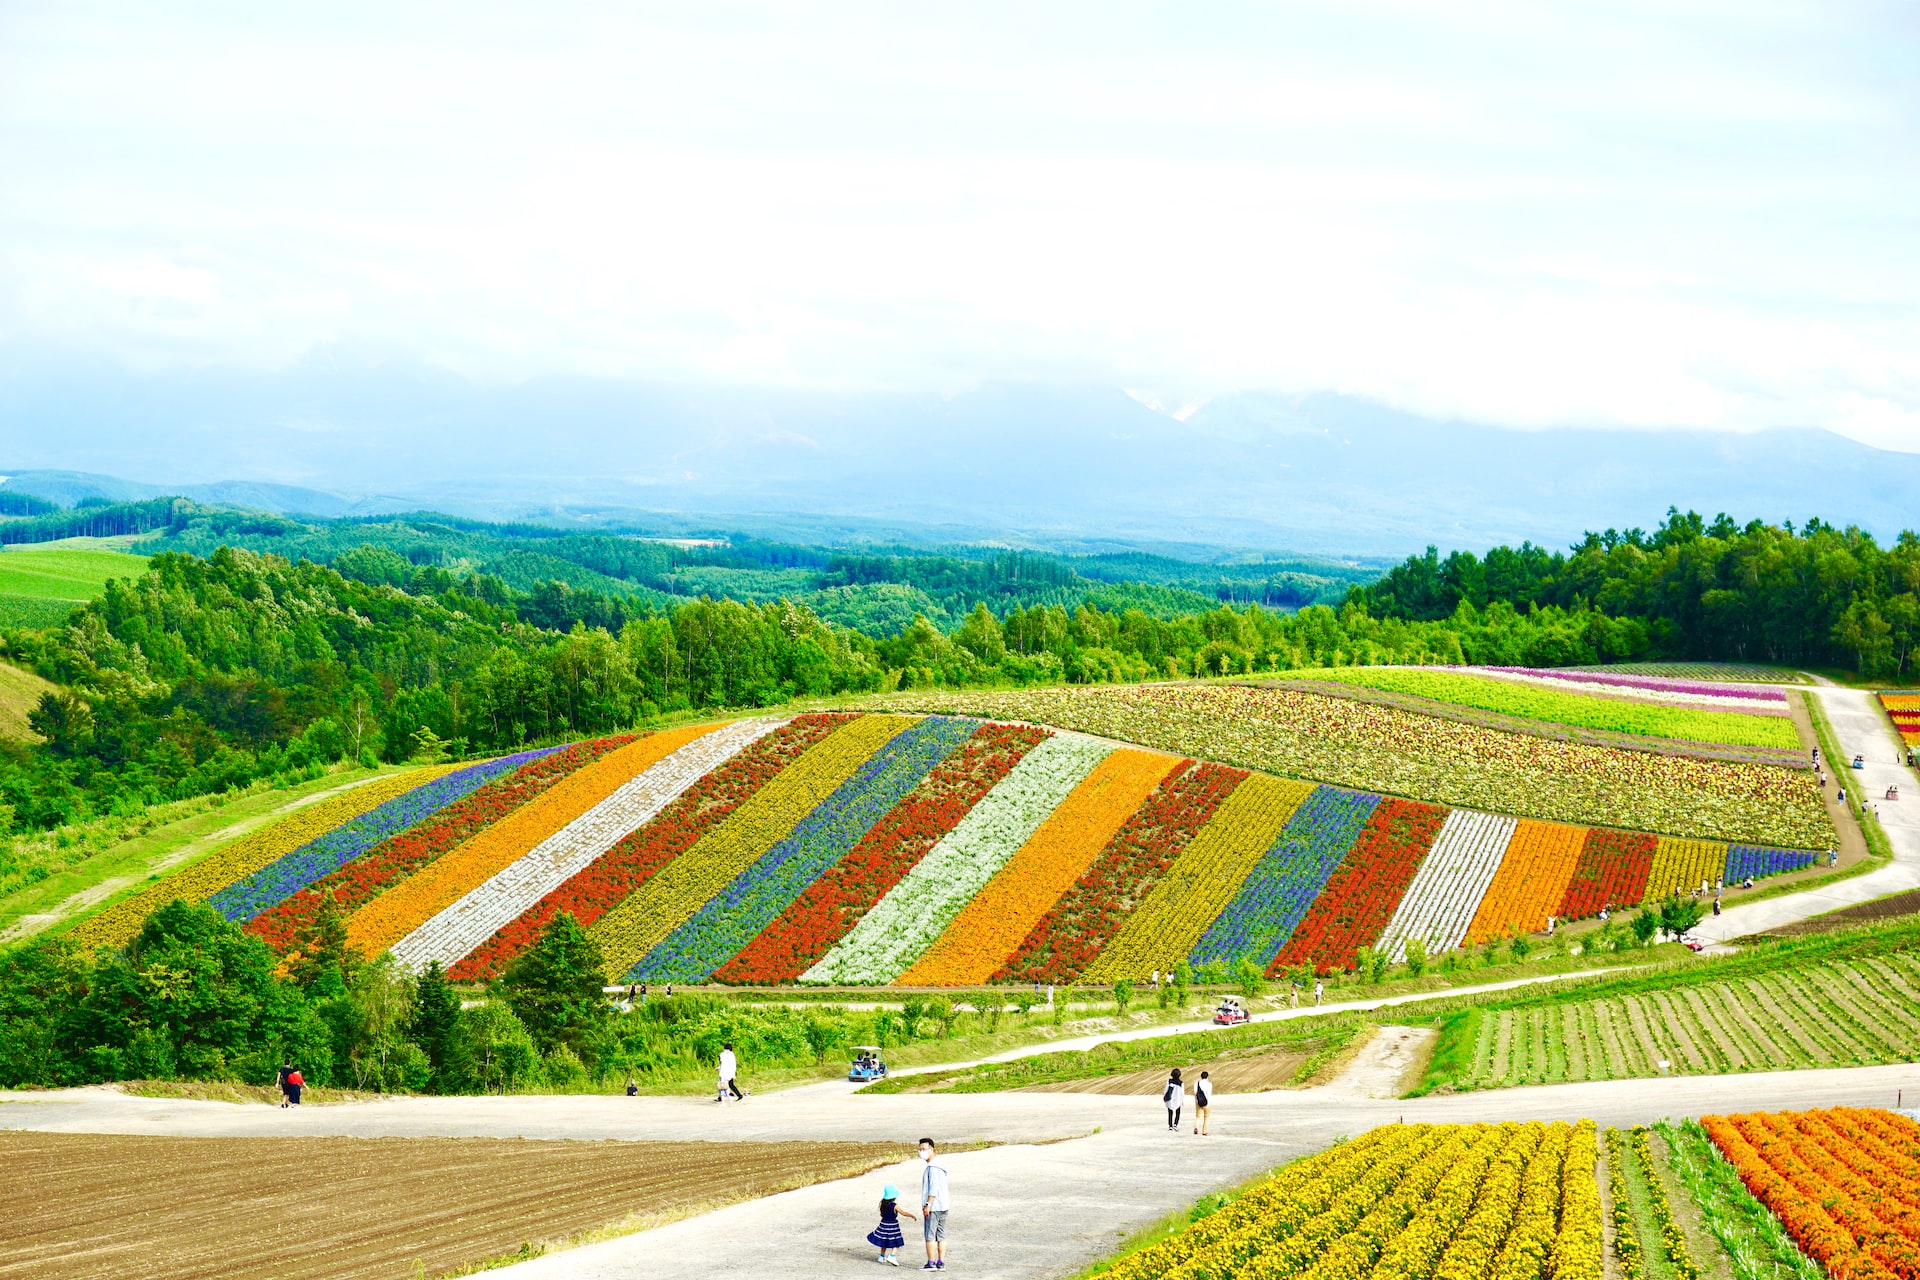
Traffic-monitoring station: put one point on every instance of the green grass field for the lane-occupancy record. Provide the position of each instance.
(69, 573)
(19, 693)
(1617, 715)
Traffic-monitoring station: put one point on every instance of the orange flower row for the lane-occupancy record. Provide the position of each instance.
(989, 929)
(1841, 1217)
(1531, 881)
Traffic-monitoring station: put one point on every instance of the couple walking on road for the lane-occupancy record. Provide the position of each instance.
(888, 1238)
(1174, 1096)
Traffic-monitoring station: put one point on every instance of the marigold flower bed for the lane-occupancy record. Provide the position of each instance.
(1904, 710)
(606, 882)
(1364, 890)
(833, 904)
(1531, 881)
(400, 856)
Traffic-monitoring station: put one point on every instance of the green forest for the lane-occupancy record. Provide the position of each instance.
(222, 665)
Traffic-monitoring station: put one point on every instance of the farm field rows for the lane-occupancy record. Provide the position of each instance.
(844, 848)
(169, 1208)
(1654, 709)
(1846, 1013)
(1376, 748)
(1904, 710)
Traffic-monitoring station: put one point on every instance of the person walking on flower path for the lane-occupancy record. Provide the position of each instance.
(1202, 1103)
(1319, 989)
(933, 1207)
(1174, 1096)
(729, 1066)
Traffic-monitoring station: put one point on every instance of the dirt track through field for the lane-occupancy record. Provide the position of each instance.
(167, 1208)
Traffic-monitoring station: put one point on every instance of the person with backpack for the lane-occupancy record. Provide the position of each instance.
(291, 1089)
(1174, 1096)
(1202, 1103)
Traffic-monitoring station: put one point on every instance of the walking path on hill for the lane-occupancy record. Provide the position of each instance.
(1081, 1171)
(1861, 729)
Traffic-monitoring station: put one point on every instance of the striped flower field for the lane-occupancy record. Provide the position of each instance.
(918, 850)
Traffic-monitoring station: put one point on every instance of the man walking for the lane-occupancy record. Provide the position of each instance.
(933, 1207)
(727, 1069)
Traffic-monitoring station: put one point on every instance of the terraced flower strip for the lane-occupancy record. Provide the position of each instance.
(1673, 1240)
(1365, 890)
(833, 904)
(604, 883)
(1758, 724)
(1404, 1202)
(1684, 865)
(678, 889)
(907, 920)
(1172, 916)
(1705, 693)
(1064, 941)
(1531, 881)
(510, 892)
(280, 879)
(1626, 1235)
(1446, 891)
(398, 857)
(444, 881)
(1612, 872)
(1904, 710)
(987, 931)
(117, 925)
(1756, 1245)
(1745, 860)
(732, 918)
(1834, 1214)
(1289, 876)
(1374, 748)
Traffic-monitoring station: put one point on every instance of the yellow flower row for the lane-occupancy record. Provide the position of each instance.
(117, 925)
(1576, 1250)
(992, 926)
(1401, 1237)
(671, 896)
(444, 881)
(1201, 881)
(1682, 864)
(1536, 1219)
(1470, 1256)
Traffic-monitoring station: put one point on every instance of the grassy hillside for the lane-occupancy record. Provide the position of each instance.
(40, 583)
(19, 693)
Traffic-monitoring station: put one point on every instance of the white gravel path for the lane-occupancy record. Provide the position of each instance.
(1861, 729)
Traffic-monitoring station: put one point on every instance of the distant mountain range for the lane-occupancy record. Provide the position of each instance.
(1068, 468)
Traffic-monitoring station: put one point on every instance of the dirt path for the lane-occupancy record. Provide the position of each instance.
(1385, 1065)
(1024, 1209)
(1860, 728)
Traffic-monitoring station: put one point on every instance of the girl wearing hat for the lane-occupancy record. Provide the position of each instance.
(887, 1237)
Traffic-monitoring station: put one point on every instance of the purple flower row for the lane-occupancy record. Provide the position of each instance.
(1747, 860)
(1689, 687)
(278, 880)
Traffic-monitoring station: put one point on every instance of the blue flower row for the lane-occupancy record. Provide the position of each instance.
(1746, 860)
(757, 896)
(281, 879)
(1289, 876)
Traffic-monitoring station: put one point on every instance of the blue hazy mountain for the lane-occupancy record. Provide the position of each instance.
(1039, 464)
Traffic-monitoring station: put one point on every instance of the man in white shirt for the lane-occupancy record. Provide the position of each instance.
(933, 1207)
(728, 1068)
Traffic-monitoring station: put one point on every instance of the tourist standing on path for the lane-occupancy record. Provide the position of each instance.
(1175, 1098)
(1202, 1102)
(933, 1207)
(887, 1236)
(1319, 989)
(728, 1068)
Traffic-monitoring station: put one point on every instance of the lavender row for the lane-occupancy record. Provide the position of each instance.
(1688, 687)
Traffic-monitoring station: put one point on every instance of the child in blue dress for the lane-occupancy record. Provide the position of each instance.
(887, 1237)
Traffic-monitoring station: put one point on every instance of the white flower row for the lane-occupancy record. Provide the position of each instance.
(1636, 693)
(1452, 878)
(520, 885)
(906, 921)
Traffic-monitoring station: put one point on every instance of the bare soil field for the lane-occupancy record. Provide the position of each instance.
(1888, 908)
(1231, 1075)
(165, 1208)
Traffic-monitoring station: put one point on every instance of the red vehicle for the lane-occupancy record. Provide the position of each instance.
(1232, 1012)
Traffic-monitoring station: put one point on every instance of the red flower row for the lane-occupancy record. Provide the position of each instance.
(358, 882)
(605, 883)
(1612, 872)
(1364, 890)
(834, 903)
(1065, 940)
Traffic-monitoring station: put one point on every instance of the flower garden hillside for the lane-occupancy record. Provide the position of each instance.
(930, 850)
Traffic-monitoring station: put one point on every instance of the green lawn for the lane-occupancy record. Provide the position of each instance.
(1618, 715)
(75, 574)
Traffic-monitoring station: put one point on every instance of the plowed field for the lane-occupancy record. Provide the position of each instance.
(147, 1208)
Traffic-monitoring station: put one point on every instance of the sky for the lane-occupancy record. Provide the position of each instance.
(1664, 214)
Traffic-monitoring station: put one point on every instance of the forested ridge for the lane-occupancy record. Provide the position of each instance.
(217, 670)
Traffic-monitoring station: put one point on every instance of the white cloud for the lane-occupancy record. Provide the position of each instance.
(1662, 214)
